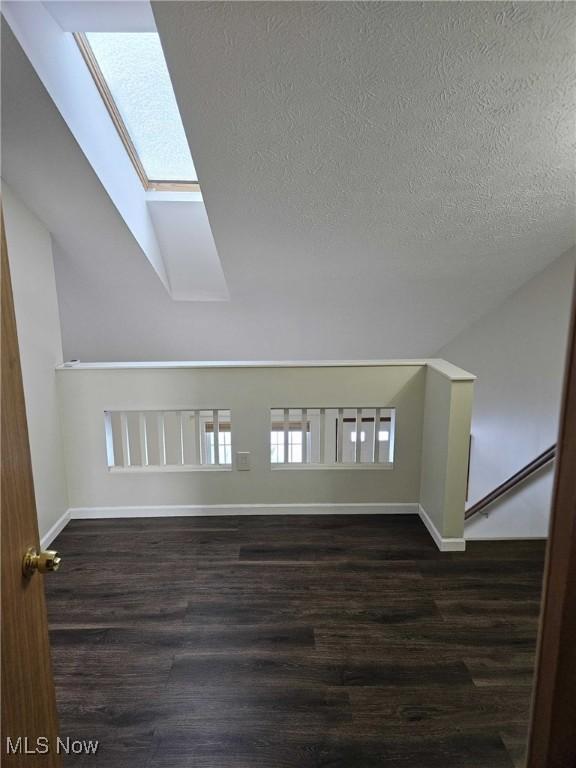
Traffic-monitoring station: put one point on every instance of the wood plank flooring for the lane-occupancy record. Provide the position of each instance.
(292, 642)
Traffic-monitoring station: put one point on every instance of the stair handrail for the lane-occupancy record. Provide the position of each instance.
(540, 461)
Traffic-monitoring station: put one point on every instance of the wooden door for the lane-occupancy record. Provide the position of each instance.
(28, 700)
(553, 732)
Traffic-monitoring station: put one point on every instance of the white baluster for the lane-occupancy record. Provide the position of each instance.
(286, 434)
(109, 432)
(180, 425)
(322, 434)
(216, 434)
(124, 436)
(358, 446)
(198, 437)
(143, 436)
(161, 438)
(376, 452)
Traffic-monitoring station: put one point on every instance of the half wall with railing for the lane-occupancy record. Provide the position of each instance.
(215, 438)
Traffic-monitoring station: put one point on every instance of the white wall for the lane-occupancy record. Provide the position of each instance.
(250, 393)
(517, 351)
(445, 439)
(38, 326)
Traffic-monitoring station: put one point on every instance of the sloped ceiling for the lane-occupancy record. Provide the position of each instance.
(376, 177)
(186, 261)
(190, 256)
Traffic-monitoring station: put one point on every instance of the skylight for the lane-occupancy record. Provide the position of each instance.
(131, 73)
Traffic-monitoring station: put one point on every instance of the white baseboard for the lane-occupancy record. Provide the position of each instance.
(219, 510)
(443, 544)
(498, 537)
(58, 526)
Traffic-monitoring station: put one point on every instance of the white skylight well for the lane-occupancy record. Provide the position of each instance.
(131, 73)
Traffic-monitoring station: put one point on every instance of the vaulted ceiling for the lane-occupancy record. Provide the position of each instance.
(376, 176)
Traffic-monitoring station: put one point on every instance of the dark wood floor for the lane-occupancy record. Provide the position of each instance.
(292, 642)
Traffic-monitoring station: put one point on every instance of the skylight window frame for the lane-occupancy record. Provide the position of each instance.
(150, 185)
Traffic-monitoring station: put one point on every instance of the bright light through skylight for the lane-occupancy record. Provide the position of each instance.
(135, 71)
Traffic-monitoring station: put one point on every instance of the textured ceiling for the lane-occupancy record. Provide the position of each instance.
(416, 157)
(376, 177)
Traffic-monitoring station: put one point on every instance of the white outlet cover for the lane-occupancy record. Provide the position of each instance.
(242, 460)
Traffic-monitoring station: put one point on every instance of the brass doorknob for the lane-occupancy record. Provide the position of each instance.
(45, 561)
